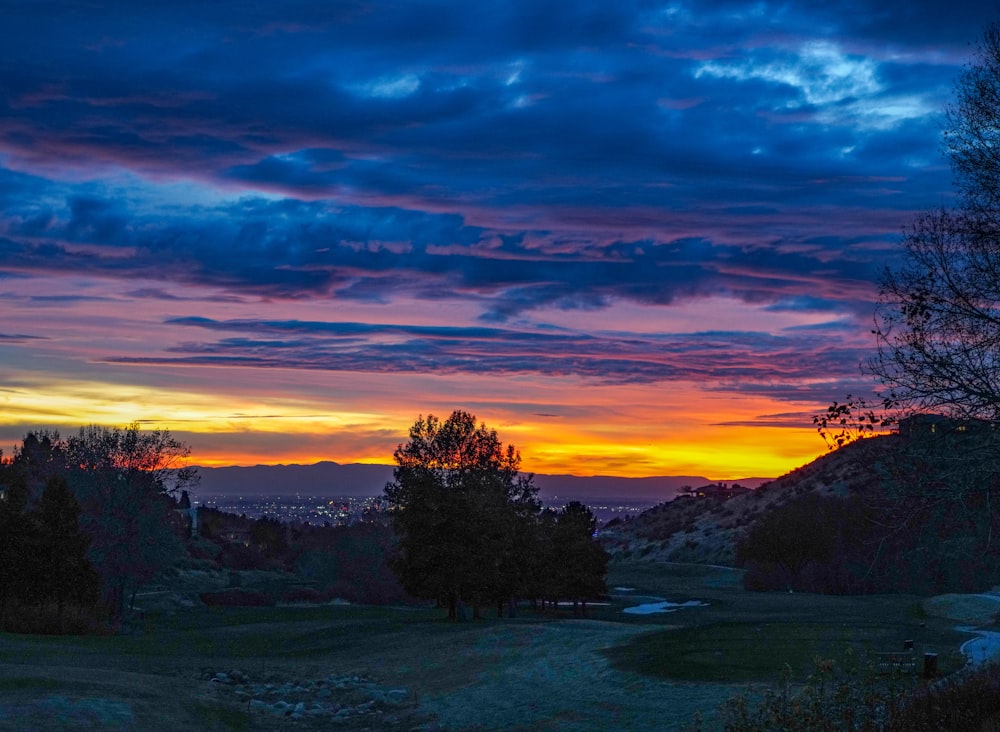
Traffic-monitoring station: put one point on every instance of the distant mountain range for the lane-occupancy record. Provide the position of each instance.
(356, 479)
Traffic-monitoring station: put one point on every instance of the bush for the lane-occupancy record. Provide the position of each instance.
(235, 597)
(970, 701)
(849, 699)
(302, 594)
(44, 619)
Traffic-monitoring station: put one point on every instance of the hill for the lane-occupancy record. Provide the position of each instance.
(896, 513)
(707, 529)
(356, 479)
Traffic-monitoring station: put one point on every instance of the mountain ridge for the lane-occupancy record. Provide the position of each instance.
(328, 477)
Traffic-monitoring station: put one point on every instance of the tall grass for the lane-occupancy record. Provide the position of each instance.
(851, 698)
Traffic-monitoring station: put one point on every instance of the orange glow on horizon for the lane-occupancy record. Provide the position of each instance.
(560, 425)
(729, 454)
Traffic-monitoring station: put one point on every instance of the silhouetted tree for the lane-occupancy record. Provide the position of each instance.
(123, 478)
(579, 563)
(938, 317)
(268, 534)
(41, 455)
(17, 556)
(63, 573)
(457, 499)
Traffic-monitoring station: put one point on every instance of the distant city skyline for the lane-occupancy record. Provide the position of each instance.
(635, 238)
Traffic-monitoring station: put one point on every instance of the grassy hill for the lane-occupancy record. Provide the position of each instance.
(706, 530)
(886, 514)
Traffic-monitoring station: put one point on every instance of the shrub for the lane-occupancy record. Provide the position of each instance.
(850, 699)
(235, 597)
(970, 701)
(45, 619)
(302, 594)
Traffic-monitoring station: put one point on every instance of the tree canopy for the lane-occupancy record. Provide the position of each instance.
(469, 524)
(122, 479)
(937, 321)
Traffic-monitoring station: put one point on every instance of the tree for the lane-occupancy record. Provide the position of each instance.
(268, 535)
(854, 419)
(123, 478)
(937, 320)
(42, 455)
(17, 560)
(579, 563)
(458, 501)
(63, 573)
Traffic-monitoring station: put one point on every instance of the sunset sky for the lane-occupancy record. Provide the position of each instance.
(636, 238)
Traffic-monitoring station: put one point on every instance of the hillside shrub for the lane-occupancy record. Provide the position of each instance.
(46, 619)
(851, 699)
(970, 701)
(236, 597)
(813, 543)
(302, 594)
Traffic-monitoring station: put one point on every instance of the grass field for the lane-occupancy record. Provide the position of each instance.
(610, 670)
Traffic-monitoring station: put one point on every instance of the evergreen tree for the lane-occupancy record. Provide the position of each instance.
(17, 555)
(579, 563)
(63, 573)
(456, 499)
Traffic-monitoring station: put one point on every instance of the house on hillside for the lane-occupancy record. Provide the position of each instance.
(917, 425)
(719, 491)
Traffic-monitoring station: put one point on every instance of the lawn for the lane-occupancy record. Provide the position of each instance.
(545, 672)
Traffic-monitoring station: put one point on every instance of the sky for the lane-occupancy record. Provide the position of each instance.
(635, 238)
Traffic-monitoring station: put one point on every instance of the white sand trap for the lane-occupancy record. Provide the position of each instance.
(623, 589)
(664, 606)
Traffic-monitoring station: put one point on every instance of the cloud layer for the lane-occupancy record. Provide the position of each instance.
(694, 195)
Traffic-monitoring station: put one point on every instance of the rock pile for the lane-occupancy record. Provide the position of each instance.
(354, 699)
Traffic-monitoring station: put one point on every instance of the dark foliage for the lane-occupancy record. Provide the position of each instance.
(115, 485)
(44, 570)
(856, 700)
(64, 574)
(969, 701)
(470, 528)
(904, 533)
(236, 597)
(351, 563)
(813, 543)
(337, 562)
(938, 319)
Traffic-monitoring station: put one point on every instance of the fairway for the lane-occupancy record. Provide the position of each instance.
(407, 668)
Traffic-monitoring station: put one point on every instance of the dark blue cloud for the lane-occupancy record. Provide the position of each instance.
(509, 156)
(742, 361)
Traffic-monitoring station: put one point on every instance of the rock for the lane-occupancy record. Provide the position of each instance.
(281, 708)
(396, 696)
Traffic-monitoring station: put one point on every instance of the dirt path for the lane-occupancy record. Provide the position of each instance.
(553, 677)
